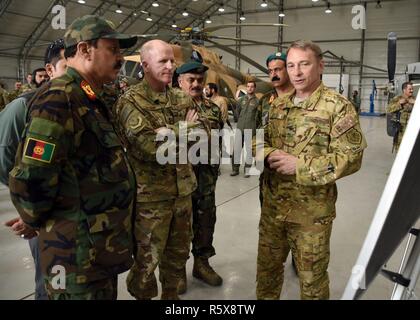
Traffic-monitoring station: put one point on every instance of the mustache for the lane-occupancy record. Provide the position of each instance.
(275, 78)
(118, 65)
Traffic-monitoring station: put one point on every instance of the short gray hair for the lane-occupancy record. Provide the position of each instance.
(306, 44)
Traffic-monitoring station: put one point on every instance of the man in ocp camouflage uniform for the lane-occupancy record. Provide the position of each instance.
(148, 113)
(16, 92)
(312, 138)
(191, 81)
(401, 107)
(72, 180)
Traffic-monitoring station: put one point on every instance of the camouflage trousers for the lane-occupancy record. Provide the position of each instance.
(399, 138)
(204, 210)
(310, 245)
(163, 235)
(106, 289)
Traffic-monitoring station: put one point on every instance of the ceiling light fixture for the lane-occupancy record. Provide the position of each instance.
(149, 18)
(328, 10)
(174, 25)
(118, 9)
(155, 4)
(264, 4)
(281, 14)
(208, 20)
(242, 17)
(221, 8)
(81, 1)
(185, 13)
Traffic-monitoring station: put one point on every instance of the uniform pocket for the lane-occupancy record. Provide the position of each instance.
(111, 238)
(111, 163)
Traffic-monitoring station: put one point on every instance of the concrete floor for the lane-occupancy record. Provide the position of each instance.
(236, 234)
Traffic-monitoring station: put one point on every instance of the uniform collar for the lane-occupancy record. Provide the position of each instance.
(310, 103)
(248, 97)
(155, 97)
(83, 84)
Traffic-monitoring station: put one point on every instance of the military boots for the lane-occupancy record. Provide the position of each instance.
(203, 271)
(169, 294)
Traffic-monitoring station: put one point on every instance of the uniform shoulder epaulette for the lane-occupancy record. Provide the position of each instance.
(134, 91)
(60, 83)
(334, 97)
(179, 96)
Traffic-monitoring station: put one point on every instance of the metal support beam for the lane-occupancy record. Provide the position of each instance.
(280, 33)
(169, 17)
(312, 6)
(238, 34)
(362, 55)
(133, 16)
(419, 51)
(40, 29)
(166, 18)
(34, 36)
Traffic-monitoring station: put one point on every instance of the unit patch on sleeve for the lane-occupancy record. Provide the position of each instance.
(39, 150)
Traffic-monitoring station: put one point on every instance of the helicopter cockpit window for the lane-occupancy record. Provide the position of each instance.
(196, 56)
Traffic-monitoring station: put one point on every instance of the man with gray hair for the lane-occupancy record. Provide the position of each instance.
(312, 138)
(163, 218)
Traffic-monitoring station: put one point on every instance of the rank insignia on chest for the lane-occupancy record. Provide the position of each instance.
(271, 99)
(39, 150)
(88, 90)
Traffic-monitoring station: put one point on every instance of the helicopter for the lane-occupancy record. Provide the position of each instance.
(187, 41)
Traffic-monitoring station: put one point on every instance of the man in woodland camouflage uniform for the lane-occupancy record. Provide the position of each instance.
(191, 81)
(72, 180)
(312, 138)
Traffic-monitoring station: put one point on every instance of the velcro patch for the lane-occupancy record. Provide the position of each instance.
(354, 137)
(88, 90)
(39, 150)
(343, 125)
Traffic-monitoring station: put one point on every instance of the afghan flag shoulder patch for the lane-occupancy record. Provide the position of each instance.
(39, 150)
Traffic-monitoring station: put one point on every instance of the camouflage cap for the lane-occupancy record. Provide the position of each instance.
(192, 66)
(91, 27)
(276, 56)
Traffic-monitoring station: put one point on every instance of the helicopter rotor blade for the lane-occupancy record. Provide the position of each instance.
(219, 27)
(240, 55)
(244, 40)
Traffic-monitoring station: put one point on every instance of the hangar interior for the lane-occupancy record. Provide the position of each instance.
(359, 63)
